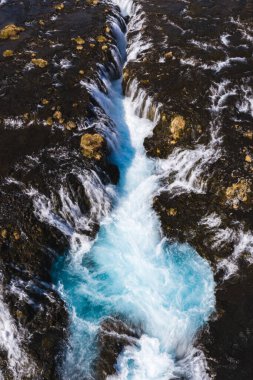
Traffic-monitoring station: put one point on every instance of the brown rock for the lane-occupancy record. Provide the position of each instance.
(248, 134)
(79, 41)
(177, 126)
(8, 53)
(101, 39)
(10, 31)
(19, 314)
(59, 7)
(39, 62)
(70, 125)
(93, 2)
(92, 145)
(16, 235)
(238, 192)
(125, 74)
(4, 233)
(49, 121)
(168, 55)
(172, 211)
(57, 115)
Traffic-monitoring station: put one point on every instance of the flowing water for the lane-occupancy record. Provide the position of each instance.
(130, 271)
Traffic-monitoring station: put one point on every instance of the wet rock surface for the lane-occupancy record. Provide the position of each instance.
(194, 63)
(49, 51)
(195, 66)
(113, 337)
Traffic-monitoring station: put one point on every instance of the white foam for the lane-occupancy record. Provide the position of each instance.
(203, 45)
(220, 65)
(240, 239)
(216, 66)
(245, 105)
(69, 218)
(245, 30)
(166, 288)
(190, 61)
(242, 245)
(149, 362)
(129, 252)
(11, 339)
(184, 169)
(225, 39)
(137, 45)
(65, 63)
(220, 92)
(14, 123)
(213, 220)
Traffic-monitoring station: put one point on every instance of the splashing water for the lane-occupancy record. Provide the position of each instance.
(131, 272)
(11, 339)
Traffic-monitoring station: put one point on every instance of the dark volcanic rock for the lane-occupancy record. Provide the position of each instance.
(197, 71)
(228, 341)
(45, 109)
(113, 336)
(197, 68)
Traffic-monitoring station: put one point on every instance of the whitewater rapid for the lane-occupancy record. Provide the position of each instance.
(130, 271)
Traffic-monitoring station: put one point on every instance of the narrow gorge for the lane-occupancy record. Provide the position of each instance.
(126, 190)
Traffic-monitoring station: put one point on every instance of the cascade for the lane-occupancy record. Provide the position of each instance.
(163, 289)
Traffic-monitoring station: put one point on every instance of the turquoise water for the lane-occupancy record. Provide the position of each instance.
(131, 272)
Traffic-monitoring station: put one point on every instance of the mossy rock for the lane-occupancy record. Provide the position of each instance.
(92, 145)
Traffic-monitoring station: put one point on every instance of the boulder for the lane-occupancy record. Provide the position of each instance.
(39, 62)
(92, 145)
(8, 53)
(177, 125)
(114, 334)
(238, 192)
(10, 31)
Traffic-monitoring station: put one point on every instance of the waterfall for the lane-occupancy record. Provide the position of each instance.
(163, 289)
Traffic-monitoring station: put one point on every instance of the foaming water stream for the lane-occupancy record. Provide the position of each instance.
(11, 339)
(165, 290)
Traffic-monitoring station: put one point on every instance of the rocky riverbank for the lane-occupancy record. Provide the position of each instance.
(196, 68)
(52, 138)
(193, 62)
